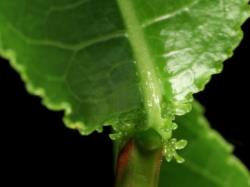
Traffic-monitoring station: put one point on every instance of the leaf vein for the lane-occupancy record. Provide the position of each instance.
(73, 47)
(165, 17)
(67, 7)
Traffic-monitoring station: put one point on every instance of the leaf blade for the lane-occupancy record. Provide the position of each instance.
(208, 157)
(103, 84)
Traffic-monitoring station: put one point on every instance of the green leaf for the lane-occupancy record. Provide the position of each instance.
(133, 64)
(209, 162)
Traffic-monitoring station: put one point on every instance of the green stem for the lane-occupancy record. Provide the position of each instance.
(137, 167)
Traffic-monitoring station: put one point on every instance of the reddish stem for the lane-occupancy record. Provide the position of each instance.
(137, 167)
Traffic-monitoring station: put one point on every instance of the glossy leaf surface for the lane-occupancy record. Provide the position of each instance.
(108, 62)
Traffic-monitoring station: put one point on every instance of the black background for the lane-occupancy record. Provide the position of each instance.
(36, 146)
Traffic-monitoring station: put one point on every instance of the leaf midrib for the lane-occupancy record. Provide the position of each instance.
(149, 82)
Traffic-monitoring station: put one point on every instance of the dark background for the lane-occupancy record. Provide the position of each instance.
(36, 146)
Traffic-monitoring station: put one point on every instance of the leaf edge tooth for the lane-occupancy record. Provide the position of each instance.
(66, 107)
(228, 53)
